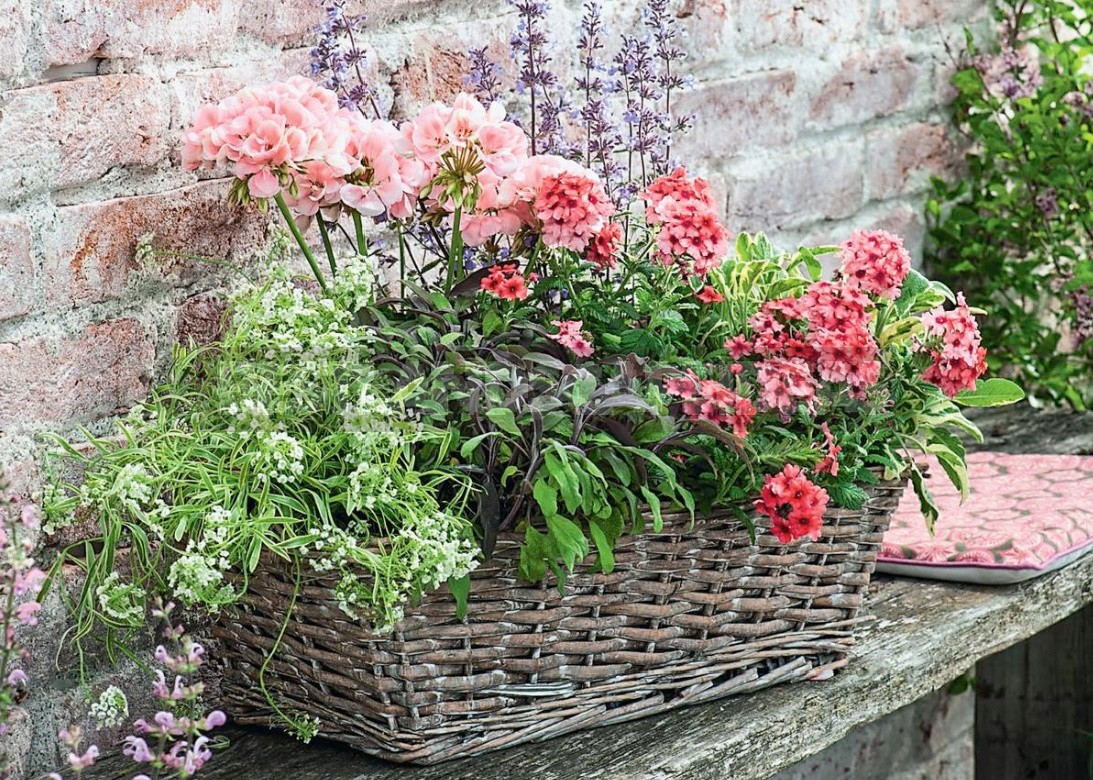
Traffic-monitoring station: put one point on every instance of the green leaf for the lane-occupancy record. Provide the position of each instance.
(603, 547)
(461, 591)
(926, 503)
(991, 392)
(504, 419)
(569, 540)
(533, 554)
(654, 506)
(583, 389)
(913, 286)
(546, 496)
(470, 445)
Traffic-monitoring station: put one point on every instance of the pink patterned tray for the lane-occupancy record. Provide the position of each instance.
(1027, 515)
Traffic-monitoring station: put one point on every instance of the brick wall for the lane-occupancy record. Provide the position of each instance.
(811, 117)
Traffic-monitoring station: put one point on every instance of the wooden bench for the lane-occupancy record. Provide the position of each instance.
(920, 635)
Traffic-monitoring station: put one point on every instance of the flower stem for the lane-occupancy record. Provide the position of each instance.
(325, 233)
(358, 228)
(292, 226)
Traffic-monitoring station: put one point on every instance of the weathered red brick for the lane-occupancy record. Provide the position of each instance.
(895, 15)
(15, 32)
(825, 182)
(102, 370)
(17, 272)
(868, 85)
(91, 254)
(77, 30)
(792, 23)
(759, 109)
(902, 159)
(72, 132)
(709, 29)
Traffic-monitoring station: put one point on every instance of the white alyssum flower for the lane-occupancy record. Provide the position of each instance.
(111, 709)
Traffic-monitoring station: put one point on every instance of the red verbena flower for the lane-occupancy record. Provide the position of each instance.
(876, 262)
(783, 384)
(738, 346)
(506, 282)
(709, 294)
(794, 504)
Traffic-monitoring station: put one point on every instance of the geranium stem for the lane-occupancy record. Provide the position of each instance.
(325, 233)
(294, 228)
(362, 242)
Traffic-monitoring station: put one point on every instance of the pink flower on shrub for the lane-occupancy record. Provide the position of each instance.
(834, 306)
(848, 356)
(785, 383)
(571, 336)
(686, 214)
(572, 208)
(604, 247)
(952, 340)
(876, 262)
(794, 504)
(268, 132)
(830, 462)
(678, 187)
(386, 178)
(738, 346)
(705, 399)
(709, 294)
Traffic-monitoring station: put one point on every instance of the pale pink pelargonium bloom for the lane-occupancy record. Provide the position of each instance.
(572, 336)
(267, 133)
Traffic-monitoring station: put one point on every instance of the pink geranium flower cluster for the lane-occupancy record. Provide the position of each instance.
(952, 339)
(875, 261)
(690, 231)
(504, 281)
(705, 399)
(794, 504)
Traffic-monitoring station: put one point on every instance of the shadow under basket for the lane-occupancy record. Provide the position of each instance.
(689, 614)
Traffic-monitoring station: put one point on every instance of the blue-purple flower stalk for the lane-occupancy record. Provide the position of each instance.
(548, 101)
(341, 68)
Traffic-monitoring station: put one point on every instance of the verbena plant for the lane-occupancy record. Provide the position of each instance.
(536, 328)
(1017, 228)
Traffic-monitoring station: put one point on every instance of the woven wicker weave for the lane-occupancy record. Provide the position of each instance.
(689, 614)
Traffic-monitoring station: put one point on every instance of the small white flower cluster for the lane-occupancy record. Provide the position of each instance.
(198, 575)
(280, 457)
(354, 286)
(122, 603)
(111, 709)
(195, 578)
(250, 416)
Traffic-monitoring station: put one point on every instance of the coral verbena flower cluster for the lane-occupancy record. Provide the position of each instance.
(952, 340)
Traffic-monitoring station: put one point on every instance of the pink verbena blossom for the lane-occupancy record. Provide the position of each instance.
(876, 262)
(572, 208)
(952, 340)
(705, 399)
(572, 336)
(689, 227)
(785, 383)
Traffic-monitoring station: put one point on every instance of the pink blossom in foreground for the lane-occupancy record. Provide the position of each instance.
(571, 336)
(876, 262)
(794, 504)
(952, 340)
(785, 383)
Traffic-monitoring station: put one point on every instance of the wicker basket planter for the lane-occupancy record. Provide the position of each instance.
(690, 614)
